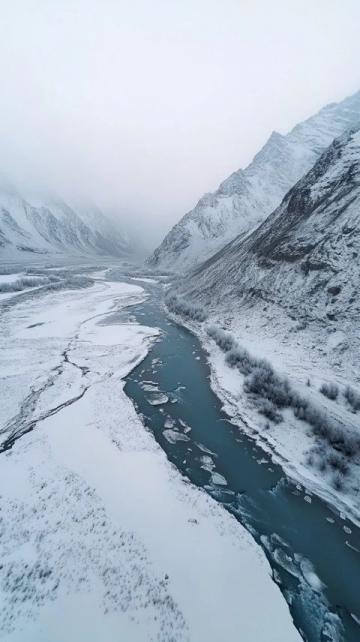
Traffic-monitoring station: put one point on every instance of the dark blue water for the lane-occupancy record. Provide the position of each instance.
(314, 560)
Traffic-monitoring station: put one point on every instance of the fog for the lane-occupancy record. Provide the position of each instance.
(143, 106)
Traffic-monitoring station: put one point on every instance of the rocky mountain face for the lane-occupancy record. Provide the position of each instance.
(305, 258)
(248, 196)
(51, 226)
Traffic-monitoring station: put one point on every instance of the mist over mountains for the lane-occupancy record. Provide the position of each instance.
(37, 224)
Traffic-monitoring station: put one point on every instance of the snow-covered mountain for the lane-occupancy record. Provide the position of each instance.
(248, 196)
(288, 297)
(305, 258)
(51, 226)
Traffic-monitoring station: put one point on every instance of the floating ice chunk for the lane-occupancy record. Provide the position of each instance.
(353, 548)
(286, 562)
(207, 463)
(172, 436)
(218, 479)
(204, 449)
(186, 427)
(149, 387)
(157, 399)
(307, 499)
(169, 422)
(310, 576)
(347, 530)
(354, 617)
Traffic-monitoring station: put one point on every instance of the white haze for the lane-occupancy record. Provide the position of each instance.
(143, 106)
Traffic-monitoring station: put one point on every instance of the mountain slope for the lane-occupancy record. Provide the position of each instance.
(50, 225)
(288, 296)
(248, 196)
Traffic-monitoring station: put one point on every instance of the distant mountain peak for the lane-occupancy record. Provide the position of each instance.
(49, 225)
(248, 196)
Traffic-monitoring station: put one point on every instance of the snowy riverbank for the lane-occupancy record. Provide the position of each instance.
(291, 442)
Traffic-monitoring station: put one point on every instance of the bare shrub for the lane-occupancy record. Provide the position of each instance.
(338, 482)
(222, 339)
(185, 308)
(329, 390)
(22, 284)
(265, 383)
(241, 359)
(353, 398)
(267, 408)
(338, 463)
(271, 391)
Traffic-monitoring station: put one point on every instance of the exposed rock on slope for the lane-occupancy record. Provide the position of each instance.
(248, 196)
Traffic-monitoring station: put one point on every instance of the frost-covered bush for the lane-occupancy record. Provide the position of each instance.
(9, 269)
(338, 463)
(271, 391)
(236, 356)
(327, 428)
(353, 398)
(71, 283)
(338, 482)
(22, 284)
(47, 283)
(269, 410)
(329, 390)
(266, 384)
(241, 359)
(328, 459)
(222, 339)
(184, 308)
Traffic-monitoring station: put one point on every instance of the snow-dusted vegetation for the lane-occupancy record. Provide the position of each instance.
(181, 307)
(22, 284)
(271, 393)
(353, 398)
(330, 390)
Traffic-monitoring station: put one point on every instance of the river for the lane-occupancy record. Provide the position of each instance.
(314, 553)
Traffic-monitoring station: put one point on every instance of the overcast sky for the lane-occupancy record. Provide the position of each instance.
(144, 105)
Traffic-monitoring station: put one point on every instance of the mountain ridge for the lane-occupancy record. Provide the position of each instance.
(49, 225)
(305, 255)
(248, 196)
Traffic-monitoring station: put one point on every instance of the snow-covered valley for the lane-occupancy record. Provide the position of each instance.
(181, 454)
(101, 536)
(179, 321)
